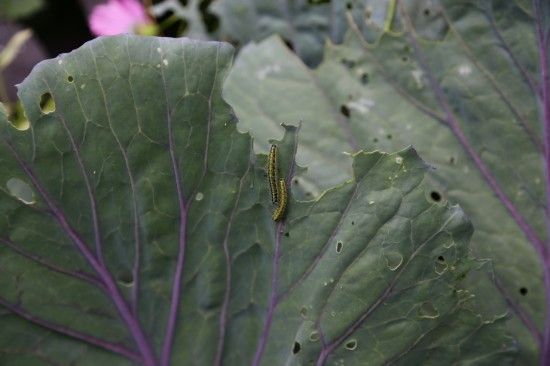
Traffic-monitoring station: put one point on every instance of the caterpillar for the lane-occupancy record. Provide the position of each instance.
(279, 212)
(272, 172)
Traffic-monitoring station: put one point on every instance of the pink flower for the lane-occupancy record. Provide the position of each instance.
(118, 17)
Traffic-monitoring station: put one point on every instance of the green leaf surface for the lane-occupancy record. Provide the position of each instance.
(15, 9)
(136, 228)
(400, 90)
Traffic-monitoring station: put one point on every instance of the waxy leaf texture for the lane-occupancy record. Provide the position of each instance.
(135, 228)
(458, 80)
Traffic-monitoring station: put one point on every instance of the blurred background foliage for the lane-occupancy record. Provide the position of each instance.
(60, 26)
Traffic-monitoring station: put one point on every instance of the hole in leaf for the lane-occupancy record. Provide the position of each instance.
(349, 5)
(314, 336)
(20, 190)
(405, 59)
(348, 63)
(436, 196)
(289, 44)
(125, 278)
(427, 12)
(344, 110)
(393, 260)
(47, 104)
(339, 247)
(389, 136)
(364, 78)
(523, 291)
(452, 160)
(16, 116)
(427, 310)
(296, 348)
(70, 79)
(351, 344)
(440, 267)
(375, 140)
(441, 258)
(287, 234)
(353, 222)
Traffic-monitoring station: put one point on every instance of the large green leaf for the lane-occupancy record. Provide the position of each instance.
(468, 103)
(136, 227)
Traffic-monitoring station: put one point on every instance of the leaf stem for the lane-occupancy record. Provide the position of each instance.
(218, 360)
(274, 296)
(83, 276)
(182, 234)
(506, 47)
(109, 346)
(137, 241)
(89, 189)
(273, 299)
(111, 288)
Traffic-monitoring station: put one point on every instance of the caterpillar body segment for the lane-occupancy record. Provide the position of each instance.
(272, 173)
(282, 192)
